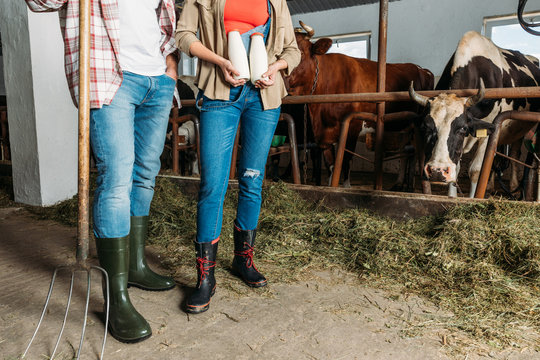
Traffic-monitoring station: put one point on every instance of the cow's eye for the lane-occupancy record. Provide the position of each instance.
(463, 130)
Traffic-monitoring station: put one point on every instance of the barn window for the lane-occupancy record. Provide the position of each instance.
(356, 45)
(506, 33)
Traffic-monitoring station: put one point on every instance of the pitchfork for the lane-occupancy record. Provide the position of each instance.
(83, 193)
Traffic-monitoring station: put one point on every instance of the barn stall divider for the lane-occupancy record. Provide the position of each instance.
(381, 97)
(491, 149)
(176, 121)
(491, 93)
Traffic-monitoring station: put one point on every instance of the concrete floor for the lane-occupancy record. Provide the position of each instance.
(329, 316)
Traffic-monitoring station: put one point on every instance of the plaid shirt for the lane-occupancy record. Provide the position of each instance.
(105, 71)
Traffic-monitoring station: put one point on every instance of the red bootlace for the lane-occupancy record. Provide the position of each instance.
(204, 265)
(248, 253)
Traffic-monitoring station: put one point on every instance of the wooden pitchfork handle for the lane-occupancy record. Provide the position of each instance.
(83, 222)
(83, 192)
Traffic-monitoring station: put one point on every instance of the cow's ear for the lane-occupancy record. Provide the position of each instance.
(321, 46)
(479, 128)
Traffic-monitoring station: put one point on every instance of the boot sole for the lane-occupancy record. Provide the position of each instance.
(149, 289)
(190, 309)
(129, 341)
(256, 285)
(197, 309)
(236, 273)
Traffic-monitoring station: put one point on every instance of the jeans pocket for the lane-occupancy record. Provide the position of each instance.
(234, 93)
(170, 79)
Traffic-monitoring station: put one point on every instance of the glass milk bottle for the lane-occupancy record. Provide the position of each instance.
(238, 54)
(258, 60)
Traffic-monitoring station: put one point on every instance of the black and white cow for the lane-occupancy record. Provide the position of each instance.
(450, 125)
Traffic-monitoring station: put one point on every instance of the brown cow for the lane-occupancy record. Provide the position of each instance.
(321, 73)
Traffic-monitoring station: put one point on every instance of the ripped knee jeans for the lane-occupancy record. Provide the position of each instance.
(219, 121)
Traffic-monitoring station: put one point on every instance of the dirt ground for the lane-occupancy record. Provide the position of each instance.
(329, 316)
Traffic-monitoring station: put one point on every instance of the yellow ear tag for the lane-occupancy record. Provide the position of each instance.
(481, 133)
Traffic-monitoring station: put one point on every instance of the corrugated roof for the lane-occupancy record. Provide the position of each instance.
(308, 6)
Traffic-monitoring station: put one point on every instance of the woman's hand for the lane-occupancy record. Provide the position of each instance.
(229, 72)
(204, 54)
(271, 74)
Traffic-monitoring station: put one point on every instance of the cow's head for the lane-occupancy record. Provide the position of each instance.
(447, 122)
(301, 80)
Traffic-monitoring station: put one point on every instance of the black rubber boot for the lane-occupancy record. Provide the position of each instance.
(244, 241)
(125, 323)
(140, 275)
(199, 301)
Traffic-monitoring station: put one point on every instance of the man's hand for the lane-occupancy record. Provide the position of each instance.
(172, 66)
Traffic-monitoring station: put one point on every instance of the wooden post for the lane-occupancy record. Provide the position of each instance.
(381, 82)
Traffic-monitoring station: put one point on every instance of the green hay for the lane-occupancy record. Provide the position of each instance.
(479, 261)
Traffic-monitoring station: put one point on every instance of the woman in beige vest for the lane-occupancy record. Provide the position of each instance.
(226, 103)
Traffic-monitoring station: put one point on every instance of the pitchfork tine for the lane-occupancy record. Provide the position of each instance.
(75, 268)
(89, 286)
(85, 315)
(43, 312)
(65, 315)
(86, 310)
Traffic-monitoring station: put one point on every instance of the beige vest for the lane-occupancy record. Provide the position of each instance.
(206, 17)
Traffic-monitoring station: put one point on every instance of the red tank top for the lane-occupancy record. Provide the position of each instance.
(244, 15)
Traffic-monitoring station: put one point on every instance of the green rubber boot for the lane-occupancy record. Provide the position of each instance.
(125, 323)
(140, 275)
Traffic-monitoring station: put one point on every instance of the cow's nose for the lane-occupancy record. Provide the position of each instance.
(437, 173)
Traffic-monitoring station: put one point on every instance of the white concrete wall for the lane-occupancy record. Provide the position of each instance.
(42, 117)
(2, 86)
(424, 32)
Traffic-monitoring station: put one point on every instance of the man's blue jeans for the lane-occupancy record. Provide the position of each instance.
(218, 126)
(127, 139)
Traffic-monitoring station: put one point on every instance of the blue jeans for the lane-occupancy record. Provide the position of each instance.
(127, 139)
(218, 126)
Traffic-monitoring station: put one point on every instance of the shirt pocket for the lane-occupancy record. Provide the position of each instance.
(206, 4)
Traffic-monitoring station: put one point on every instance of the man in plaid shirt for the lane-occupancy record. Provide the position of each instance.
(133, 71)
